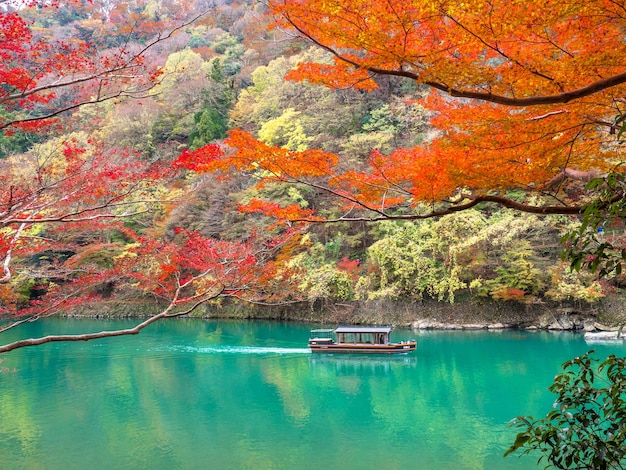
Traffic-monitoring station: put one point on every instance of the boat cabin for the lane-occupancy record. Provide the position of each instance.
(357, 339)
(363, 335)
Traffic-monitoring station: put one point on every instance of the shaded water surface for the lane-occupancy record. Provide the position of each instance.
(193, 394)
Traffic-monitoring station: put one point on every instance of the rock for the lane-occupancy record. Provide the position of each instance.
(426, 324)
(589, 326)
(601, 327)
(555, 326)
(578, 322)
(557, 321)
(473, 326)
(545, 321)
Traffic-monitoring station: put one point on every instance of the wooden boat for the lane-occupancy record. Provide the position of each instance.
(357, 339)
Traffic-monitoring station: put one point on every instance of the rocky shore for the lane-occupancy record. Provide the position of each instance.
(466, 314)
(604, 316)
(564, 324)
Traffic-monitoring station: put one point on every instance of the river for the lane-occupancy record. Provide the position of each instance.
(196, 394)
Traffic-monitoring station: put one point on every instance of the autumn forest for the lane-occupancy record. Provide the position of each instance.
(179, 156)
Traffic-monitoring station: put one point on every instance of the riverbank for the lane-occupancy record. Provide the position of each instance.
(428, 314)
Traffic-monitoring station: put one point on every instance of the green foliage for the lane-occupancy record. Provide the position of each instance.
(321, 279)
(408, 262)
(23, 287)
(285, 131)
(599, 243)
(281, 194)
(211, 122)
(330, 266)
(359, 146)
(587, 427)
(437, 258)
(216, 72)
(322, 118)
(198, 37)
(405, 122)
(568, 284)
(517, 276)
(210, 125)
(228, 45)
(327, 283)
(18, 142)
(382, 120)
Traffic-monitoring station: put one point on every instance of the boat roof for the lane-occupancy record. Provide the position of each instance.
(363, 329)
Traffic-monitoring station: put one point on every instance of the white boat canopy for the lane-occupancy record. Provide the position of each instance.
(363, 329)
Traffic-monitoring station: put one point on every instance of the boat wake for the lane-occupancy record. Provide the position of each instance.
(242, 350)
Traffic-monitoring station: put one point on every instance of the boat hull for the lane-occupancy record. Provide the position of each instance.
(356, 348)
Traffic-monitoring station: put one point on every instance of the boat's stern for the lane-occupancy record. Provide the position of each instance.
(320, 341)
(320, 338)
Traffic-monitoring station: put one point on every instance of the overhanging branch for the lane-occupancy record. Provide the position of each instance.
(166, 313)
(557, 98)
(473, 201)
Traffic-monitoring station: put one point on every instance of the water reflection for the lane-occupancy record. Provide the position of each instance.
(353, 364)
(236, 395)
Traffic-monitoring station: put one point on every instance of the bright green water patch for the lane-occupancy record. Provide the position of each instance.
(196, 394)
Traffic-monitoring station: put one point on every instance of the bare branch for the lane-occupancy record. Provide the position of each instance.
(543, 116)
(166, 313)
(6, 266)
(572, 174)
(84, 337)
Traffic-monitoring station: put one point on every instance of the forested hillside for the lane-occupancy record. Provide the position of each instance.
(122, 187)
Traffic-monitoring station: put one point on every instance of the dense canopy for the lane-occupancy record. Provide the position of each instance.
(523, 96)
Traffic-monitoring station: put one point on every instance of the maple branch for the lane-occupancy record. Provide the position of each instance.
(62, 110)
(74, 216)
(166, 313)
(14, 324)
(473, 201)
(85, 337)
(106, 74)
(577, 175)
(498, 50)
(340, 195)
(62, 84)
(48, 310)
(564, 97)
(543, 116)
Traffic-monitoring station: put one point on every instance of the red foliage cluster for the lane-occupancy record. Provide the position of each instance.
(271, 209)
(199, 159)
(351, 267)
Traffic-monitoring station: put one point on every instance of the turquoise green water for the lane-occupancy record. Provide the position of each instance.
(189, 394)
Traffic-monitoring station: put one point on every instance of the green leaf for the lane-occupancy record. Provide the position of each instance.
(520, 440)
